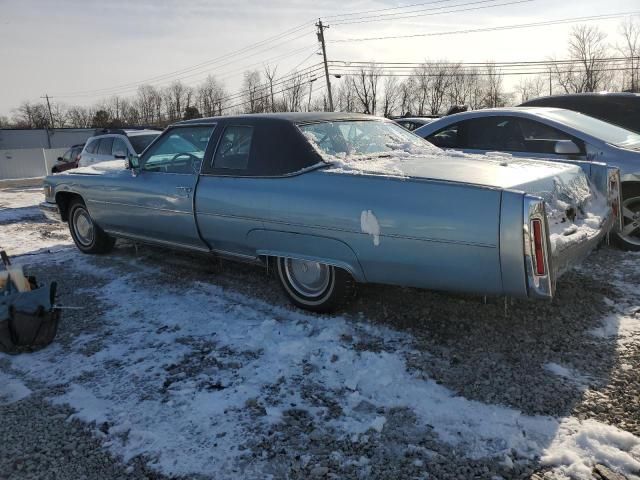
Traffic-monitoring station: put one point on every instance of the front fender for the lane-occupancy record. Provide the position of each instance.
(306, 247)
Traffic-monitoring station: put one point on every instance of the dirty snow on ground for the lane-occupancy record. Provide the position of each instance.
(131, 379)
(19, 203)
(12, 389)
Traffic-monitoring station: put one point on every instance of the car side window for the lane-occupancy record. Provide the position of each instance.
(446, 138)
(541, 138)
(91, 148)
(492, 133)
(179, 150)
(119, 148)
(105, 146)
(234, 148)
(67, 156)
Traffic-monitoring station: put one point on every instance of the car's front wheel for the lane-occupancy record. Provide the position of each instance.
(87, 235)
(629, 237)
(313, 285)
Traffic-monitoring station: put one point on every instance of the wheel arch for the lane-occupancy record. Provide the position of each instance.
(63, 200)
(302, 246)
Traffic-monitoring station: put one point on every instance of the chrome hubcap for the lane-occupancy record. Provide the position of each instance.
(631, 217)
(83, 226)
(310, 279)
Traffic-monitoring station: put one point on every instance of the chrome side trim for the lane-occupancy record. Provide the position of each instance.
(334, 229)
(539, 286)
(101, 202)
(310, 258)
(240, 257)
(155, 241)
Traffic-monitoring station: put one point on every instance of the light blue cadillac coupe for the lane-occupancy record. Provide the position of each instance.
(330, 200)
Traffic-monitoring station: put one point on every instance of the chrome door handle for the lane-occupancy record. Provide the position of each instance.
(184, 191)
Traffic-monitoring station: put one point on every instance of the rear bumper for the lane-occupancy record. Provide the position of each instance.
(51, 211)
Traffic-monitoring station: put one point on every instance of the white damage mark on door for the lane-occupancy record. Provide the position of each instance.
(369, 224)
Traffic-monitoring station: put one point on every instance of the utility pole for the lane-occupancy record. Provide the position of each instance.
(49, 108)
(321, 29)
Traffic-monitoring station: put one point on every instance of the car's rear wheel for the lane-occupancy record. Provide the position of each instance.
(629, 237)
(87, 235)
(313, 285)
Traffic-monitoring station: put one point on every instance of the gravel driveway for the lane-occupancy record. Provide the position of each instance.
(177, 366)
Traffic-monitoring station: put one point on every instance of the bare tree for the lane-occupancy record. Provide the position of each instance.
(254, 92)
(345, 96)
(630, 48)
(531, 87)
(31, 115)
(494, 94)
(270, 75)
(211, 97)
(293, 92)
(439, 79)
(365, 85)
(588, 47)
(391, 96)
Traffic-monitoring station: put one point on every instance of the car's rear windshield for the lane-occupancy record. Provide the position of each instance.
(607, 132)
(362, 138)
(140, 142)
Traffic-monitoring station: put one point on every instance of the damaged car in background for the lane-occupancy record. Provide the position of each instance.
(328, 200)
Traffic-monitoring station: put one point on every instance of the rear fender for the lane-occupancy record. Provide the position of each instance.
(316, 248)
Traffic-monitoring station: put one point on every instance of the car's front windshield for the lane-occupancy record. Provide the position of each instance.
(140, 142)
(607, 132)
(363, 139)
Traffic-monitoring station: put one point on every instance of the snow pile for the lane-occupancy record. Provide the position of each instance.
(12, 389)
(579, 445)
(576, 211)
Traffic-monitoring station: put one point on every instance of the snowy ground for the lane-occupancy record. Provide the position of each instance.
(182, 367)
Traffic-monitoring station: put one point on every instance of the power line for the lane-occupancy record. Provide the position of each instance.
(493, 63)
(384, 73)
(386, 9)
(491, 29)
(439, 11)
(218, 75)
(211, 62)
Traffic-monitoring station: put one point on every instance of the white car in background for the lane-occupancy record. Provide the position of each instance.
(116, 144)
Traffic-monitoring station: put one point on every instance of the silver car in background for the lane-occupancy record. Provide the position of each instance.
(550, 133)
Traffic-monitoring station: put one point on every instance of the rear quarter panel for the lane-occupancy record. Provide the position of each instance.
(434, 235)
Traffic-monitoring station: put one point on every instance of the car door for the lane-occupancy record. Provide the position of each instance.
(231, 198)
(157, 203)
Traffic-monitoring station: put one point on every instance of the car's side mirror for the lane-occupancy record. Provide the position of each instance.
(120, 156)
(60, 159)
(566, 147)
(132, 162)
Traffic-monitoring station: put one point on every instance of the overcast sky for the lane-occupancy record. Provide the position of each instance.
(67, 47)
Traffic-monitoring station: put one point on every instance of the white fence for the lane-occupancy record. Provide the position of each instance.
(28, 162)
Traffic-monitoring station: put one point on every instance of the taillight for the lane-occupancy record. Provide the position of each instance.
(536, 225)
